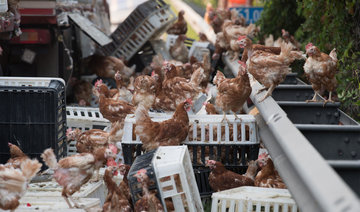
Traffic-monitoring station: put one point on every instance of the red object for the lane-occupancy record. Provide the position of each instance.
(309, 45)
(38, 16)
(28, 204)
(33, 36)
(242, 37)
(37, 12)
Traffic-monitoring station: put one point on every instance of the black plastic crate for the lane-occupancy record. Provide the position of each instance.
(299, 93)
(34, 118)
(142, 162)
(234, 157)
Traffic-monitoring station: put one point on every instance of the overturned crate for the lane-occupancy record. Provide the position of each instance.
(171, 175)
(248, 198)
(233, 144)
(148, 20)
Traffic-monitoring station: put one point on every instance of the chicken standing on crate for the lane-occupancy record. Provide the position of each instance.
(220, 45)
(114, 109)
(88, 141)
(268, 68)
(268, 177)
(180, 26)
(115, 201)
(170, 132)
(232, 93)
(179, 51)
(148, 202)
(222, 179)
(320, 70)
(14, 182)
(145, 88)
(74, 171)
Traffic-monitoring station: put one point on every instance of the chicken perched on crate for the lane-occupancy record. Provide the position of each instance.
(268, 68)
(222, 179)
(320, 70)
(115, 200)
(88, 141)
(14, 182)
(203, 37)
(74, 171)
(113, 109)
(220, 45)
(206, 65)
(179, 51)
(148, 202)
(17, 157)
(232, 93)
(180, 26)
(145, 90)
(167, 133)
(100, 87)
(107, 66)
(267, 176)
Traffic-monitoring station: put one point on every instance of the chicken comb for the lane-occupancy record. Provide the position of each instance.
(309, 45)
(242, 63)
(68, 131)
(283, 31)
(142, 171)
(189, 101)
(263, 155)
(98, 82)
(113, 148)
(10, 144)
(153, 73)
(242, 37)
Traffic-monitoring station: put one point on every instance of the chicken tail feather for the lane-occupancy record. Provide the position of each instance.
(197, 76)
(49, 158)
(29, 168)
(333, 55)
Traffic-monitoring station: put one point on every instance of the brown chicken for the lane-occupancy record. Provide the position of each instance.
(124, 185)
(123, 92)
(220, 45)
(180, 26)
(167, 133)
(209, 9)
(203, 37)
(206, 65)
(222, 179)
(268, 68)
(290, 39)
(74, 171)
(17, 157)
(148, 202)
(115, 200)
(145, 90)
(320, 70)
(217, 19)
(100, 87)
(114, 109)
(210, 109)
(179, 51)
(82, 92)
(88, 141)
(236, 18)
(179, 89)
(107, 66)
(232, 93)
(254, 47)
(14, 182)
(268, 177)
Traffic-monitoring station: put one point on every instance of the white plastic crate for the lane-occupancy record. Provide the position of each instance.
(249, 199)
(133, 33)
(198, 49)
(207, 124)
(53, 189)
(84, 118)
(28, 81)
(44, 204)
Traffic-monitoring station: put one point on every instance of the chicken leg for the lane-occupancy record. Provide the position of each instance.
(268, 93)
(261, 90)
(225, 119)
(237, 117)
(328, 100)
(313, 99)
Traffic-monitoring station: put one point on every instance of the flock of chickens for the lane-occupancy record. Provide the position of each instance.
(169, 86)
